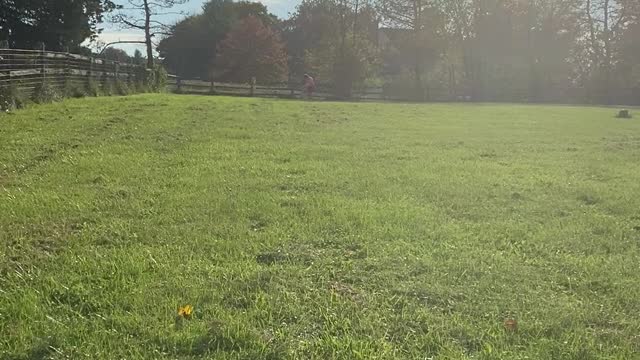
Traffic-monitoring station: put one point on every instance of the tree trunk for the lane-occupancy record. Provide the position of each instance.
(355, 23)
(607, 53)
(147, 34)
(417, 8)
(594, 51)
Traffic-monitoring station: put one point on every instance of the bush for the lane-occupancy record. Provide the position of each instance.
(45, 93)
(11, 98)
(122, 88)
(402, 87)
(156, 79)
(109, 87)
(93, 88)
(74, 90)
(161, 77)
(150, 80)
(140, 87)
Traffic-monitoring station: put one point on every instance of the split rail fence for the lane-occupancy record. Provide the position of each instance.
(26, 69)
(280, 90)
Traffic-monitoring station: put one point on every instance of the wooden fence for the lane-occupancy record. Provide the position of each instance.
(283, 90)
(618, 96)
(26, 69)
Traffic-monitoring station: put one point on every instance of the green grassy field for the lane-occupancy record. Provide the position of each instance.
(309, 230)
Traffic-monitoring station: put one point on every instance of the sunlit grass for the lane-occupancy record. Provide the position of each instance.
(318, 230)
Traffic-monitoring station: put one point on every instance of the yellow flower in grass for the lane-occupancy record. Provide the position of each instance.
(185, 311)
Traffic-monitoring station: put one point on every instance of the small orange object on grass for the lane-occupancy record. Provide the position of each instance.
(511, 325)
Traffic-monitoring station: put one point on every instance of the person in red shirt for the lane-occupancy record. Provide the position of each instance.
(309, 85)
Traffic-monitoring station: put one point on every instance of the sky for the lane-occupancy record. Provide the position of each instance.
(112, 33)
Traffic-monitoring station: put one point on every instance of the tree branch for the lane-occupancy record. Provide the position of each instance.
(120, 42)
(135, 4)
(122, 20)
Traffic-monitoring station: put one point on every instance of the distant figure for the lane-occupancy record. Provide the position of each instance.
(309, 85)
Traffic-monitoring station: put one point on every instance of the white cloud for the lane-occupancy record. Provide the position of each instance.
(107, 37)
(112, 36)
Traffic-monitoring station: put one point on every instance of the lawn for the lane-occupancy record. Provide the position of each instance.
(317, 230)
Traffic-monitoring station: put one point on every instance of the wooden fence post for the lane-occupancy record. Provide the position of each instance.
(90, 72)
(253, 86)
(212, 89)
(68, 72)
(43, 67)
(178, 84)
(130, 67)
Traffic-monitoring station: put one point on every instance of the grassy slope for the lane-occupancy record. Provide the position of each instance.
(317, 230)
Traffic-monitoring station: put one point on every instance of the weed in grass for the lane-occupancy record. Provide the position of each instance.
(93, 88)
(73, 89)
(12, 98)
(45, 93)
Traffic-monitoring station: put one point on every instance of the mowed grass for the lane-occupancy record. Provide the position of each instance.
(312, 230)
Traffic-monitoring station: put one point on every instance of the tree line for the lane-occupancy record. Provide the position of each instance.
(511, 50)
(481, 50)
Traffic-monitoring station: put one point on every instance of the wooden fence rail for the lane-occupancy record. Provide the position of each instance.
(26, 69)
(281, 90)
(629, 97)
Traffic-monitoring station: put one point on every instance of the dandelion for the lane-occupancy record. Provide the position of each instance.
(185, 311)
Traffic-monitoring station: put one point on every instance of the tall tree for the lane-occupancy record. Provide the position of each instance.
(115, 54)
(142, 15)
(58, 24)
(138, 59)
(603, 23)
(252, 50)
(334, 42)
(423, 26)
(191, 46)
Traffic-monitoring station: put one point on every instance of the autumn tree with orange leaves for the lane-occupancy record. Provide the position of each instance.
(249, 50)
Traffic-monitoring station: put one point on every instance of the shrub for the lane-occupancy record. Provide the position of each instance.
(121, 88)
(45, 93)
(74, 90)
(161, 77)
(11, 98)
(156, 79)
(93, 88)
(140, 87)
(108, 87)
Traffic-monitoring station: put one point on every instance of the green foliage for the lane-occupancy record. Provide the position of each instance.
(74, 89)
(250, 50)
(322, 39)
(93, 88)
(346, 68)
(121, 88)
(156, 79)
(12, 98)
(138, 59)
(109, 87)
(400, 87)
(192, 47)
(317, 230)
(57, 24)
(161, 78)
(45, 92)
(116, 54)
(139, 87)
